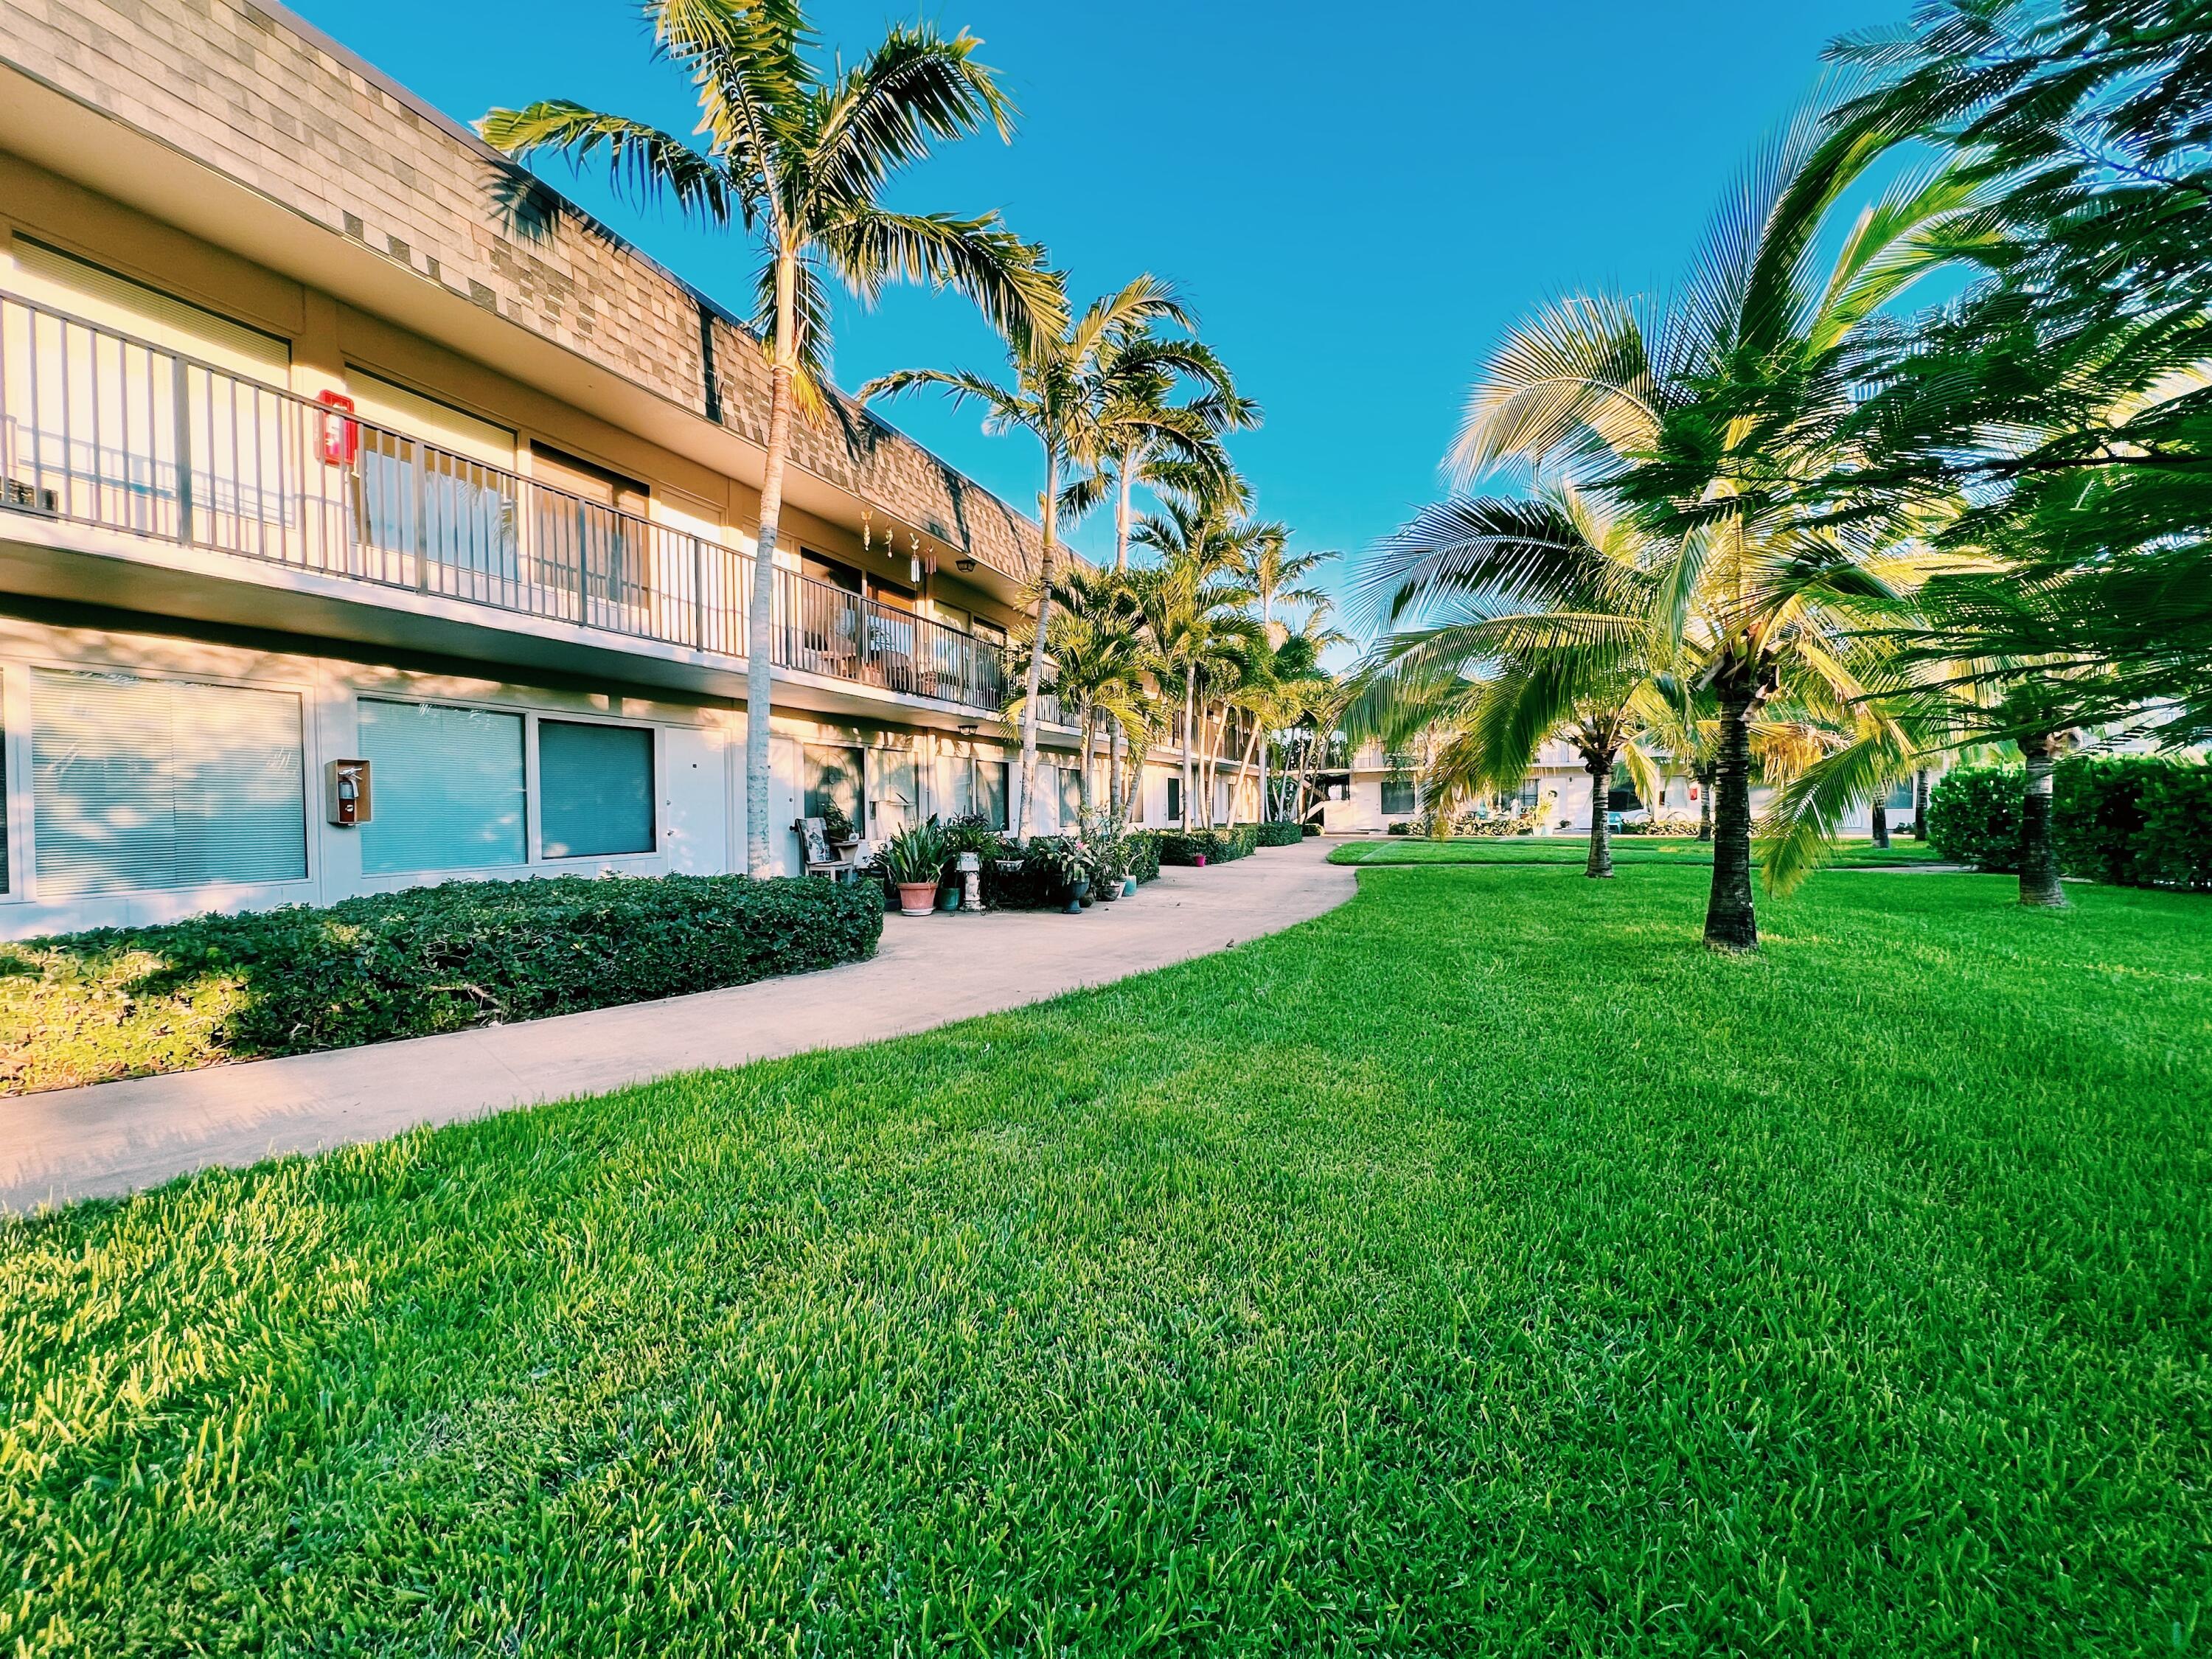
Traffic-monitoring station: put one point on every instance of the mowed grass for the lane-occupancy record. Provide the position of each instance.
(1484, 1268)
(1626, 849)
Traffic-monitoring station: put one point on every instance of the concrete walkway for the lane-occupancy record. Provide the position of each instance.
(115, 1138)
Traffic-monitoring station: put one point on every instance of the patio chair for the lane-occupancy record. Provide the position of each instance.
(822, 859)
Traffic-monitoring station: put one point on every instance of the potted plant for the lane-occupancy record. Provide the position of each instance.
(1110, 858)
(1062, 861)
(912, 861)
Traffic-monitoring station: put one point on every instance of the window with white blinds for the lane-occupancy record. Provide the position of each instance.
(96, 293)
(447, 784)
(594, 789)
(146, 783)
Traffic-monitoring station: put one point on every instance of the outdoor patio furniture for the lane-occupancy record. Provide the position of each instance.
(822, 859)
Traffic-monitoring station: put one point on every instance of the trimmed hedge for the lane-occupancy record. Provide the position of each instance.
(1182, 846)
(126, 1002)
(1281, 835)
(2126, 820)
(1973, 816)
(1144, 855)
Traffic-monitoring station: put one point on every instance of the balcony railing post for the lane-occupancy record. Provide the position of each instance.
(180, 379)
(698, 593)
(422, 516)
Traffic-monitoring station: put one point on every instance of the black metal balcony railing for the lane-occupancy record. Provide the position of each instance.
(99, 427)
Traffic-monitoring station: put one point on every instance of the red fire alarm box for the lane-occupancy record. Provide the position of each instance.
(345, 791)
(341, 437)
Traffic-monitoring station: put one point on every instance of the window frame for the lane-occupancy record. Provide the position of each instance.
(1412, 796)
(860, 817)
(16, 718)
(534, 786)
(463, 872)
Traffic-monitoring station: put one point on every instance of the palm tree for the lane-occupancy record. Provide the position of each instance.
(1270, 575)
(1099, 661)
(801, 162)
(1143, 435)
(1517, 622)
(1716, 422)
(1052, 396)
(1283, 679)
(1200, 634)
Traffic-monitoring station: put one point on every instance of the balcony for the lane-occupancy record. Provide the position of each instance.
(100, 428)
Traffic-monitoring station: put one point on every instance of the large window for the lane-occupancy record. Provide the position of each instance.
(446, 785)
(1174, 800)
(594, 789)
(147, 783)
(895, 791)
(978, 787)
(833, 777)
(1071, 797)
(1399, 797)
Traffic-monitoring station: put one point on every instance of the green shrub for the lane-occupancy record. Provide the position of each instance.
(1310, 827)
(1398, 827)
(1144, 854)
(1281, 835)
(2173, 848)
(1186, 846)
(126, 1002)
(1240, 841)
(1973, 816)
(2127, 820)
(2097, 815)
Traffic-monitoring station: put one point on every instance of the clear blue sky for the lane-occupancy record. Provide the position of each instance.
(1357, 200)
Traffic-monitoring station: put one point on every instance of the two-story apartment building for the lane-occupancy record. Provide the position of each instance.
(327, 435)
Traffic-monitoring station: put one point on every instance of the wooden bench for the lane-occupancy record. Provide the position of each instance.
(821, 858)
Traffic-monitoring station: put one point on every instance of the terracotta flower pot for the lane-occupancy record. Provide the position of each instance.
(917, 898)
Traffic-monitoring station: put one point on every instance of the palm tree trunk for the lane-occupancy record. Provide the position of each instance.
(1704, 774)
(1599, 764)
(1189, 720)
(1920, 805)
(760, 619)
(1731, 920)
(1033, 686)
(1245, 765)
(1881, 826)
(1126, 484)
(2038, 853)
(1090, 724)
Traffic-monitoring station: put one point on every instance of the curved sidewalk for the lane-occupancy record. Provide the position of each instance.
(113, 1138)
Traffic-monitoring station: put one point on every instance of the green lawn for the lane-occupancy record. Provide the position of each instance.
(1575, 849)
(1483, 1268)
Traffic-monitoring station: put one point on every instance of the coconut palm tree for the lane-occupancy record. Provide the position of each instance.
(1053, 395)
(1714, 422)
(800, 161)
(1517, 622)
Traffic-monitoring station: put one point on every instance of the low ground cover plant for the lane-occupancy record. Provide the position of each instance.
(1483, 1267)
(126, 1002)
